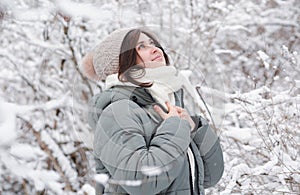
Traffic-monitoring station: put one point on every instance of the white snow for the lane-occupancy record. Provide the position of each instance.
(243, 135)
(7, 123)
(151, 171)
(85, 10)
(244, 57)
(101, 178)
(63, 161)
(265, 59)
(127, 182)
(87, 189)
(104, 180)
(32, 14)
(26, 152)
(41, 178)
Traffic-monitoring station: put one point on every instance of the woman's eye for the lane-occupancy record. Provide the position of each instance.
(141, 46)
(151, 42)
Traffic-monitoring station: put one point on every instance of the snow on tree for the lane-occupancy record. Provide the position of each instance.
(243, 55)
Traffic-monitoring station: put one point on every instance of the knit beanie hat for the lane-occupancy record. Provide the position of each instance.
(103, 60)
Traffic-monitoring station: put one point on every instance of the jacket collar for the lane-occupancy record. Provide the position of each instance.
(141, 95)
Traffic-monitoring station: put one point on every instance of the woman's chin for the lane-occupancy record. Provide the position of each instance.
(154, 64)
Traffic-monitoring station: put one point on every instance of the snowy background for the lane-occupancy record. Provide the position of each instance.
(244, 57)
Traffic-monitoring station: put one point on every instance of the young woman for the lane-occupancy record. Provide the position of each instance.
(145, 141)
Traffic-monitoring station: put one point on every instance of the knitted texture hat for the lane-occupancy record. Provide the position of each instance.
(103, 60)
(106, 54)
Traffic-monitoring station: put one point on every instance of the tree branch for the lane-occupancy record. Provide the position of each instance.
(44, 147)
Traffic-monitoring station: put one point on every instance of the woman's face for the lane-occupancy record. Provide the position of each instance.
(148, 54)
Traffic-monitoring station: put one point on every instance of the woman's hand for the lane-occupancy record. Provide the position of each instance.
(185, 115)
(172, 111)
(175, 111)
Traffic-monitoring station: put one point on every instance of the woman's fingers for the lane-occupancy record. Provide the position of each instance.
(185, 115)
(175, 111)
(170, 107)
(179, 109)
(160, 112)
(172, 111)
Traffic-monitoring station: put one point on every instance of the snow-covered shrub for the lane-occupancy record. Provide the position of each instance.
(244, 56)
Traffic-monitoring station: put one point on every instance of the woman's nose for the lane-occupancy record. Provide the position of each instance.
(153, 49)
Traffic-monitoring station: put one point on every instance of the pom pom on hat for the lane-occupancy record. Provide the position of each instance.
(88, 67)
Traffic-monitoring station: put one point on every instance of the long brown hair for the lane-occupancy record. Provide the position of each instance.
(128, 69)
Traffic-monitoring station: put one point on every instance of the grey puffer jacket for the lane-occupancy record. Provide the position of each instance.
(130, 138)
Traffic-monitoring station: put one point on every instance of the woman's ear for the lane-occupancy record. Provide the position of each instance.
(87, 67)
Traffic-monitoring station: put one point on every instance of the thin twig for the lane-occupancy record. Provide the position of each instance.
(21, 75)
(45, 148)
(75, 61)
(212, 120)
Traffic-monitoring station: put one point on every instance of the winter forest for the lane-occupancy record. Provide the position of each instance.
(242, 55)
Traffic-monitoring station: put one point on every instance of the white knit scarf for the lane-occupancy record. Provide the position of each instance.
(165, 79)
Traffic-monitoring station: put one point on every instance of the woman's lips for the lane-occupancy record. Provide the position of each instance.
(157, 58)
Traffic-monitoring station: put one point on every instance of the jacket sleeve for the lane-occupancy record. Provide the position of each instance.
(121, 146)
(208, 144)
